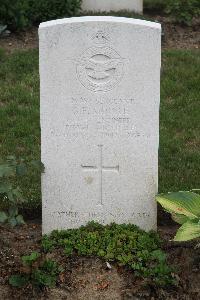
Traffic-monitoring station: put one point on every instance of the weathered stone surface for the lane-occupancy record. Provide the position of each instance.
(100, 90)
(113, 5)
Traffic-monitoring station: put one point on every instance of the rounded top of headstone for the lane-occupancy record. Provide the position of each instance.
(108, 19)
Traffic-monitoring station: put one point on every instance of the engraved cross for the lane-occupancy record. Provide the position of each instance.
(100, 168)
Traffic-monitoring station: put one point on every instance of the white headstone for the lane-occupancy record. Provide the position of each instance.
(112, 5)
(100, 90)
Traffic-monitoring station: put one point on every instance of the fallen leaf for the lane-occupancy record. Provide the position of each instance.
(102, 286)
(62, 277)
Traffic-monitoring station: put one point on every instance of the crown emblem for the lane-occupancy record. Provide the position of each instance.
(100, 37)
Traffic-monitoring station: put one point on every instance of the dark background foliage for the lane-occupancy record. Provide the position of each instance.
(18, 14)
(181, 11)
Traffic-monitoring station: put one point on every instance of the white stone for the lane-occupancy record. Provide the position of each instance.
(113, 5)
(100, 92)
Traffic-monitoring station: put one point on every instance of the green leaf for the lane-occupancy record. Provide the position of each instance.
(20, 220)
(3, 217)
(13, 211)
(18, 194)
(21, 169)
(43, 279)
(159, 255)
(180, 219)
(5, 188)
(11, 158)
(29, 259)
(7, 170)
(12, 221)
(37, 165)
(182, 203)
(18, 280)
(2, 28)
(11, 196)
(188, 231)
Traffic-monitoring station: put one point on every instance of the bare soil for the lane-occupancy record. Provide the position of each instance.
(89, 278)
(179, 37)
(174, 36)
(23, 40)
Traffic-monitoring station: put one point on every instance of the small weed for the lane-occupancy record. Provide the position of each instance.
(10, 194)
(37, 270)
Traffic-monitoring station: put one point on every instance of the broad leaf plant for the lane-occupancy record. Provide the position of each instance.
(184, 208)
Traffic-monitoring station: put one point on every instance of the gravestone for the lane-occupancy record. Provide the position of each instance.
(100, 90)
(112, 5)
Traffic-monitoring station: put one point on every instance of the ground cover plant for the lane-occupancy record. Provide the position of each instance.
(179, 160)
(126, 244)
(91, 277)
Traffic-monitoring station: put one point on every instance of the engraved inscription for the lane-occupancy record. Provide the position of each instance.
(100, 168)
(74, 217)
(113, 120)
(100, 68)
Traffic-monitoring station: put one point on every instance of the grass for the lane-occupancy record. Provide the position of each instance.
(19, 114)
(179, 158)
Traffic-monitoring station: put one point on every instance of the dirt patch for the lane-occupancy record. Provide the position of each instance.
(20, 41)
(91, 278)
(174, 36)
(180, 37)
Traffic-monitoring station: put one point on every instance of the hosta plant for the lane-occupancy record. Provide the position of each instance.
(185, 210)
